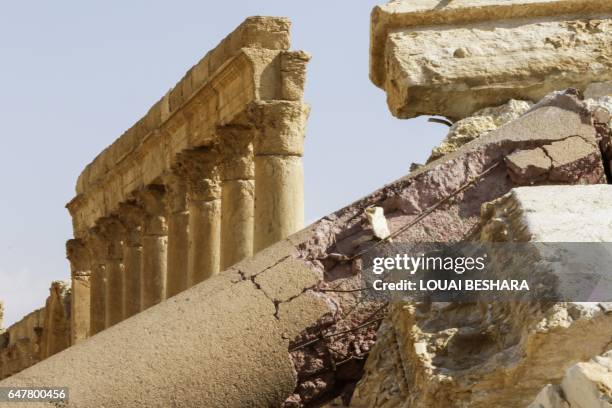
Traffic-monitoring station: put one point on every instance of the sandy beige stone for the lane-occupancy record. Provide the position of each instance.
(586, 384)
(80, 263)
(178, 235)
(279, 174)
(181, 181)
(453, 58)
(56, 324)
(508, 351)
(237, 194)
(477, 125)
(132, 217)
(153, 277)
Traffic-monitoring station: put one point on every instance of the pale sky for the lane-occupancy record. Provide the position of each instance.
(75, 75)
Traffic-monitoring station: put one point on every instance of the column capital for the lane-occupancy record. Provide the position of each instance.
(176, 192)
(79, 256)
(280, 127)
(153, 199)
(97, 244)
(236, 149)
(200, 167)
(133, 217)
(113, 232)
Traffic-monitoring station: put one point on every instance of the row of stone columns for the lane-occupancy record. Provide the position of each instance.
(218, 205)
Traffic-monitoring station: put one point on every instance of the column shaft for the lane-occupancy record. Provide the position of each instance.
(132, 217)
(154, 248)
(279, 198)
(112, 232)
(114, 285)
(279, 176)
(97, 304)
(237, 194)
(237, 221)
(200, 168)
(153, 278)
(205, 227)
(80, 265)
(131, 283)
(178, 236)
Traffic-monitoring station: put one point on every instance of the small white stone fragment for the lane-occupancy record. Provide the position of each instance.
(378, 222)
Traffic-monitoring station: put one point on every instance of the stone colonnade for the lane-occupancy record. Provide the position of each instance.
(211, 175)
(217, 206)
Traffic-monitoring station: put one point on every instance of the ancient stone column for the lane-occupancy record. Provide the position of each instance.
(114, 234)
(204, 203)
(178, 235)
(279, 175)
(132, 216)
(237, 194)
(97, 305)
(80, 264)
(154, 247)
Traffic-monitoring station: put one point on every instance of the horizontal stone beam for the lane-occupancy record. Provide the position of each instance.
(252, 64)
(452, 58)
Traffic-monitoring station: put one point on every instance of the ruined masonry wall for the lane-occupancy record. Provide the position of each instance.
(38, 335)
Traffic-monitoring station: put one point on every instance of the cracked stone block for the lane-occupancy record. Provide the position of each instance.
(572, 160)
(528, 166)
(477, 125)
(585, 385)
(452, 58)
(310, 349)
(436, 355)
(570, 157)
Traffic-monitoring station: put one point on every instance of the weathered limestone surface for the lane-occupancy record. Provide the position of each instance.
(80, 265)
(437, 355)
(20, 344)
(56, 325)
(453, 58)
(210, 175)
(586, 384)
(478, 124)
(288, 326)
(38, 335)
(178, 236)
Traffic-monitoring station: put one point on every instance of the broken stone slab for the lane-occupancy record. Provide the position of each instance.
(288, 325)
(477, 125)
(573, 158)
(495, 354)
(452, 58)
(586, 384)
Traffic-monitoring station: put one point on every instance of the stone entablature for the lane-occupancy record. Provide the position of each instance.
(252, 64)
(209, 176)
(452, 58)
